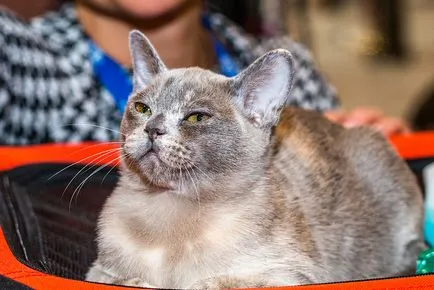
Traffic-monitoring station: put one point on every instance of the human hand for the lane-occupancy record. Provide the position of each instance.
(374, 118)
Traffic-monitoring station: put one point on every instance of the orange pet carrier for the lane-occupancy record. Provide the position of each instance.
(47, 228)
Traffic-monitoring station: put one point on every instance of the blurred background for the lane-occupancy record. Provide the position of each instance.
(375, 52)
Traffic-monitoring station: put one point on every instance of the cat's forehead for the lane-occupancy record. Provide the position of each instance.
(187, 86)
(193, 77)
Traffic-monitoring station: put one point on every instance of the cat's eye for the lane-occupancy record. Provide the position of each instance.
(197, 117)
(142, 108)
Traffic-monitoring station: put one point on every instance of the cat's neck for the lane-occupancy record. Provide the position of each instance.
(157, 218)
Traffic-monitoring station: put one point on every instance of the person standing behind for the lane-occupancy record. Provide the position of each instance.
(65, 76)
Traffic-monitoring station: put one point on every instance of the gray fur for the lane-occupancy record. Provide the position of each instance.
(228, 202)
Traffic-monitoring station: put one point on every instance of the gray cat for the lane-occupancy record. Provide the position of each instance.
(221, 187)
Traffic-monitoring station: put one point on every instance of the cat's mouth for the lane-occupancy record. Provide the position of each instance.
(161, 166)
(152, 154)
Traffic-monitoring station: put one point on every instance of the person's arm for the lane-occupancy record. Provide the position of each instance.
(4, 80)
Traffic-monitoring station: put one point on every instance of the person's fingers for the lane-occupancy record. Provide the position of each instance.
(391, 126)
(369, 117)
(337, 116)
(362, 116)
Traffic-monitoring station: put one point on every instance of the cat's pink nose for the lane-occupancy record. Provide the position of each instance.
(153, 133)
(155, 127)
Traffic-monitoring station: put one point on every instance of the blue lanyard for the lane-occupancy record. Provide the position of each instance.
(117, 80)
(228, 67)
(111, 75)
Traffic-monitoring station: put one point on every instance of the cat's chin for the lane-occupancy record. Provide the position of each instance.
(150, 161)
(152, 156)
(156, 172)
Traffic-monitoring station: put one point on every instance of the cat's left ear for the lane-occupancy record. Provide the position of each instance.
(263, 88)
(145, 60)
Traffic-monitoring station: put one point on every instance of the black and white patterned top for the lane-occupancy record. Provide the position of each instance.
(48, 92)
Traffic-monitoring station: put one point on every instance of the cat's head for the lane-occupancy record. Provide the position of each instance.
(189, 128)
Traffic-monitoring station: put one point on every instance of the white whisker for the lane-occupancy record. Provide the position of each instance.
(94, 125)
(113, 167)
(201, 171)
(194, 187)
(198, 195)
(180, 187)
(101, 155)
(81, 185)
(81, 161)
(95, 145)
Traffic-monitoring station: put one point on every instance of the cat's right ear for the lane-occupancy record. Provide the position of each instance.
(263, 88)
(145, 60)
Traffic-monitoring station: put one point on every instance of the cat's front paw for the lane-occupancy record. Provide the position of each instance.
(134, 282)
(227, 283)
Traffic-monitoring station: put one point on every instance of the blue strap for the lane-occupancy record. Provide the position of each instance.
(112, 76)
(228, 67)
(118, 82)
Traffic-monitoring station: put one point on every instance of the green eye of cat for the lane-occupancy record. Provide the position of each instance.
(142, 108)
(197, 117)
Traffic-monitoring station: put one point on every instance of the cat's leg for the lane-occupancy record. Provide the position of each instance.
(412, 251)
(253, 281)
(134, 282)
(97, 273)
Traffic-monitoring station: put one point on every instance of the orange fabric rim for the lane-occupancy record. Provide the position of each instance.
(414, 146)
(82, 153)
(11, 268)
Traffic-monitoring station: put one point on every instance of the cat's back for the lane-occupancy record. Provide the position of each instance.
(307, 142)
(342, 164)
(351, 188)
